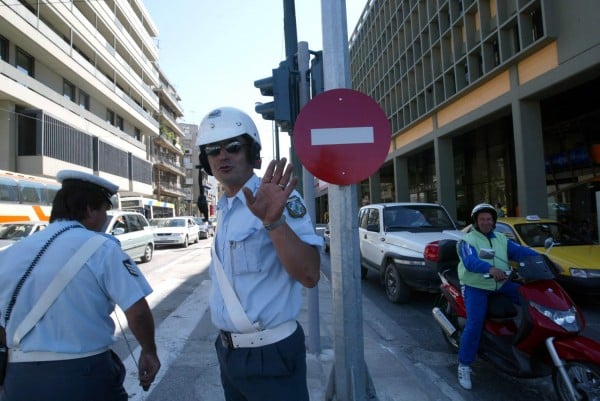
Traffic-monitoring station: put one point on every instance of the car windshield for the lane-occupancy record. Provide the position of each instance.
(416, 217)
(534, 234)
(15, 231)
(168, 223)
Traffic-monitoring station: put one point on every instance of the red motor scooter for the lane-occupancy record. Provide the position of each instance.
(539, 337)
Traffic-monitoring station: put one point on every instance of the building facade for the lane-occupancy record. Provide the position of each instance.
(167, 150)
(76, 89)
(195, 176)
(489, 100)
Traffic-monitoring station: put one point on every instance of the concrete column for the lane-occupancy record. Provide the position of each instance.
(375, 188)
(529, 158)
(401, 191)
(444, 171)
(8, 136)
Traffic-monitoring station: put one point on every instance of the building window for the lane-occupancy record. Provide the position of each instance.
(137, 134)
(3, 48)
(84, 99)
(68, 90)
(24, 62)
(120, 122)
(110, 116)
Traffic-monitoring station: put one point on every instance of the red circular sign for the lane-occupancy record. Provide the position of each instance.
(342, 136)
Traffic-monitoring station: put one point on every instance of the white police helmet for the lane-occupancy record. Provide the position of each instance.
(224, 123)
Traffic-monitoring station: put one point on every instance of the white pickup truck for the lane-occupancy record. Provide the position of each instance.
(392, 240)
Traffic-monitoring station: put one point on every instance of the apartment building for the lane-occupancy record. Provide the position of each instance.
(195, 176)
(489, 100)
(79, 88)
(167, 150)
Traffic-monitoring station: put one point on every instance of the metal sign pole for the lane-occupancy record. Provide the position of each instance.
(349, 379)
(314, 334)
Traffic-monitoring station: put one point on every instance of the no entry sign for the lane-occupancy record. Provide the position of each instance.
(342, 136)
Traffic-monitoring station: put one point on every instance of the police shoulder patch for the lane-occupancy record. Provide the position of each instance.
(295, 207)
(130, 266)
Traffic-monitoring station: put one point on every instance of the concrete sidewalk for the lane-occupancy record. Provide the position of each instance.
(394, 376)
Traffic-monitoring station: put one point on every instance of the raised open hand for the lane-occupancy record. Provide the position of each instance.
(275, 188)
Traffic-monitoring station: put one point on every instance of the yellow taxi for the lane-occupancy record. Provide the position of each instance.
(577, 259)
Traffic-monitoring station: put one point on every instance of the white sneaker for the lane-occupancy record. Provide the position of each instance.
(464, 376)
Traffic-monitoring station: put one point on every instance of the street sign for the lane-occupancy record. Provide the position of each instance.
(342, 136)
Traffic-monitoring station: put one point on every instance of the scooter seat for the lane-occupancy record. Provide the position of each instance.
(501, 307)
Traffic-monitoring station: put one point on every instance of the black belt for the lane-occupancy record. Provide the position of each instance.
(226, 339)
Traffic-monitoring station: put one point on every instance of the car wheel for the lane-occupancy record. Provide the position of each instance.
(397, 291)
(148, 251)
(186, 242)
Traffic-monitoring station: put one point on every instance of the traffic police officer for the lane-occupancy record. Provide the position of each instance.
(65, 355)
(265, 250)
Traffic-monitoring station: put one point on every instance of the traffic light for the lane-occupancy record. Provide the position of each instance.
(317, 81)
(283, 86)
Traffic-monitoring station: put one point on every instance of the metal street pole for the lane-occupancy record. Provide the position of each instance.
(308, 185)
(349, 379)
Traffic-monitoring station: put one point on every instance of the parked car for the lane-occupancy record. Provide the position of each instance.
(15, 231)
(175, 231)
(133, 232)
(576, 259)
(392, 238)
(205, 228)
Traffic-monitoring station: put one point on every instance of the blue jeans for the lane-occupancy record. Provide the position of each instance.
(476, 301)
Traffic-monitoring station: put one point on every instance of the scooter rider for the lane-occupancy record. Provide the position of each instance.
(480, 278)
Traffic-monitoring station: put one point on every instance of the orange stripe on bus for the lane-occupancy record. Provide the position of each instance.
(40, 213)
(11, 219)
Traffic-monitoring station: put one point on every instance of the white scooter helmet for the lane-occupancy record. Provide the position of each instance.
(224, 123)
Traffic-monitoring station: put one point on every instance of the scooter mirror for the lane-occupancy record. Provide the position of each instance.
(548, 242)
(487, 253)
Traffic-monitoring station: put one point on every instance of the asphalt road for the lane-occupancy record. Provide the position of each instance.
(427, 350)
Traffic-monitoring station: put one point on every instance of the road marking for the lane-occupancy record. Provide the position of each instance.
(341, 136)
(171, 337)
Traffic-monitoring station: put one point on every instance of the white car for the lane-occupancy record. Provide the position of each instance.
(133, 232)
(175, 231)
(12, 232)
(392, 239)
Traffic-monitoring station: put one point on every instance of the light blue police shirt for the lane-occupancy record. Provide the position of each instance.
(266, 291)
(79, 320)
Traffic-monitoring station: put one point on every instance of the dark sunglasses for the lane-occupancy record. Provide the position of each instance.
(231, 147)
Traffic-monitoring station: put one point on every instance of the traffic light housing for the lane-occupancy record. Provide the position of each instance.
(283, 86)
(317, 79)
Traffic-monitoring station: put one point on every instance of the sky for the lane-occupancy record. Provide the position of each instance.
(213, 51)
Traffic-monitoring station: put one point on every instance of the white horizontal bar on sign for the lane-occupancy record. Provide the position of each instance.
(341, 136)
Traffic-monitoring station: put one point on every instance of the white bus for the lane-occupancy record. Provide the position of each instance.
(151, 208)
(25, 197)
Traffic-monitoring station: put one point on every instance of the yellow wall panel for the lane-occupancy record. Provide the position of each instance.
(489, 91)
(416, 132)
(538, 63)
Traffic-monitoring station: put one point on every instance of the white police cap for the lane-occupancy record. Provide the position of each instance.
(86, 177)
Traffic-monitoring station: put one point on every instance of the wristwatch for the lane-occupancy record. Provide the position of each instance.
(275, 224)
